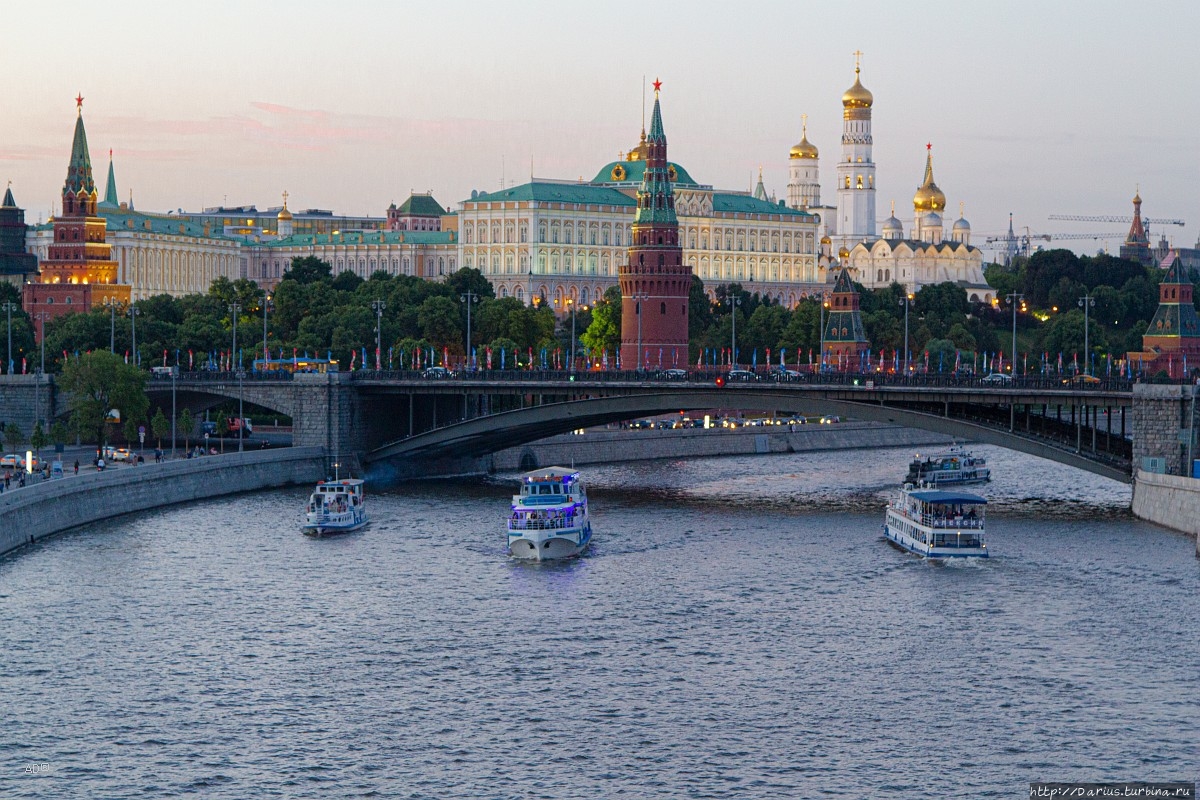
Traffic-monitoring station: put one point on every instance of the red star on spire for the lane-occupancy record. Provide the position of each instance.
(657, 85)
(79, 101)
(929, 145)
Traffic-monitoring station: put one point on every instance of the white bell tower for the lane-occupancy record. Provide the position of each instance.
(856, 168)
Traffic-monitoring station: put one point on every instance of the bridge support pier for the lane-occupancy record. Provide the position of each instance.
(1164, 426)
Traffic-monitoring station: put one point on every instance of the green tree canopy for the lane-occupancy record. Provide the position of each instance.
(308, 269)
(98, 382)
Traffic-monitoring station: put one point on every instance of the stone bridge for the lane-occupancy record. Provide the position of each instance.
(426, 424)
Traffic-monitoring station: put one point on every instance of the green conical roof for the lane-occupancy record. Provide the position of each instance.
(110, 191)
(79, 173)
(8, 199)
(843, 284)
(656, 126)
(656, 199)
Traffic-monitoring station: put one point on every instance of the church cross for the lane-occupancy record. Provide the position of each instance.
(804, 123)
(285, 197)
(857, 59)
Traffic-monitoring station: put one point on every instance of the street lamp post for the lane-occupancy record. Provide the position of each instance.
(1014, 298)
(906, 301)
(469, 298)
(174, 375)
(734, 302)
(235, 309)
(824, 298)
(133, 315)
(266, 308)
(111, 302)
(9, 307)
(378, 306)
(1086, 302)
(42, 316)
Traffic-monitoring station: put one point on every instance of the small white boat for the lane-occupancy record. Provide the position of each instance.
(957, 467)
(937, 523)
(549, 518)
(335, 506)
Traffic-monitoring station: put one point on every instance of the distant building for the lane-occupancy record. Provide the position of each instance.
(420, 212)
(1172, 340)
(247, 222)
(1136, 246)
(844, 339)
(17, 265)
(78, 271)
(926, 257)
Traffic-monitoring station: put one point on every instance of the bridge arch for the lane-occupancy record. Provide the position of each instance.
(489, 434)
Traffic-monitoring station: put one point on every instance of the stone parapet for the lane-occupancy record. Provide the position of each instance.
(1169, 500)
(22, 395)
(50, 507)
(1161, 425)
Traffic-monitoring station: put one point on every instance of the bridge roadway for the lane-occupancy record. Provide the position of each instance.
(404, 417)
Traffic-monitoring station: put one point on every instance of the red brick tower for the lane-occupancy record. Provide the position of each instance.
(655, 283)
(79, 271)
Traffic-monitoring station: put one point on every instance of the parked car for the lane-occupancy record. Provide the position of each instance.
(17, 461)
(1081, 380)
(675, 374)
(997, 377)
(741, 375)
(436, 372)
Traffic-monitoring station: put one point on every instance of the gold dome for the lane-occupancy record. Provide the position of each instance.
(843, 252)
(639, 152)
(805, 148)
(857, 95)
(826, 240)
(929, 197)
(283, 212)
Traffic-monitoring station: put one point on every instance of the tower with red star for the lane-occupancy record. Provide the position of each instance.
(79, 271)
(656, 282)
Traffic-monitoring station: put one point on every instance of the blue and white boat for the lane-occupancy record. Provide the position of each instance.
(957, 467)
(937, 523)
(334, 507)
(549, 518)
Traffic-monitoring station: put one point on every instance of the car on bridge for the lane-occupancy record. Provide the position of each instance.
(674, 374)
(784, 375)
(997, 377)
(1082, 379)
(740, 375)
(437, 372)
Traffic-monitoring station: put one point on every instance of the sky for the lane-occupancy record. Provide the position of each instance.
(1033, 108)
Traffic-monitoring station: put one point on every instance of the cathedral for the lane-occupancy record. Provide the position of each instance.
(924, 256)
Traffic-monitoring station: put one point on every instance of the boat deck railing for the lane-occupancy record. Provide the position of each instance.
(534, 524)
(940, 521)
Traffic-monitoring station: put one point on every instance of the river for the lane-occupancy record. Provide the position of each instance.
(739, 629)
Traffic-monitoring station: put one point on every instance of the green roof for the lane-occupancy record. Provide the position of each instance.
(110, 191)
(363, 238)
(79, 172)
(582, 193)
(634, 171)
(119, 219)
(745, 204)
(8, 199)
(421, 205)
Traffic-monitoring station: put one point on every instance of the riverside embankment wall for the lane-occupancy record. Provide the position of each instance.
(43, 509)
(610, 446)
(1169, 500)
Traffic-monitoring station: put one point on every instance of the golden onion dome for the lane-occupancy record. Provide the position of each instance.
(843, 252)
(826, 240)
(857, 95)
(929, 197)
(805, 148)
(283, 212)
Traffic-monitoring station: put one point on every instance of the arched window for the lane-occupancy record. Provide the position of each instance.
(662, 308)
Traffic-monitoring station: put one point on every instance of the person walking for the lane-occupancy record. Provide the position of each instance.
(77, 466)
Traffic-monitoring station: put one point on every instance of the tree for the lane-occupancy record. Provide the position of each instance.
(469, 279)
(347, 281)
(38, 439)
(308, 269)
(98, 382)
(222, 430)
(439, 320)
(187, 423)
(604, 332)
(59, 433)
(160, 426)
(14, 436)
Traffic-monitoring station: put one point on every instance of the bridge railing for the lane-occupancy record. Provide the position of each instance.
(746, 377)
(224, 376)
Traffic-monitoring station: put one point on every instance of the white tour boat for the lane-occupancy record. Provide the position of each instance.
(957, 467)
(549, 518)
(335, 507)
(937, 523)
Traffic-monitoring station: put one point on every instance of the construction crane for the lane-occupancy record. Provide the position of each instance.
(1105, 218)
(1015, 245)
